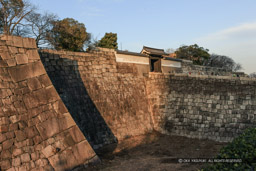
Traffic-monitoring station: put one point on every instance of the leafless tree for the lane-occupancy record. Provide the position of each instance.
(252, 75)
(12, 13)
(224, 62)
(40, 25)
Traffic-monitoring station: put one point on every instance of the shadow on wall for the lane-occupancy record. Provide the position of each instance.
(67, 81)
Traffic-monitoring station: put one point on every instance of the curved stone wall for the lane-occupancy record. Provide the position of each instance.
(36, 130)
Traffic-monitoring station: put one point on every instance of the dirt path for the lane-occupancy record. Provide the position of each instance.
(159, 153)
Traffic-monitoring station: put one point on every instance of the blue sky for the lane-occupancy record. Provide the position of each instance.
(225, 27)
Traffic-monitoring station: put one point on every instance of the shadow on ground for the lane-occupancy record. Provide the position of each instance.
(157, 152)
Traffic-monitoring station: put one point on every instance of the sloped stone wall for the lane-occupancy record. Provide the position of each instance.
(217, 108)
(116, 97)
(36, 130)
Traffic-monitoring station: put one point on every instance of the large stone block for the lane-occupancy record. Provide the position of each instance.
(34, 84)
(32, 54)
(48, 128)
(76, 134)
(64, 160)
(29, 43)
(24, 72)
(83, 152)
(21, 59)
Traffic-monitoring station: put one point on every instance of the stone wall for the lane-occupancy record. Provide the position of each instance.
(36, 130)
(104, 97)
(189, 68)
(212, 107)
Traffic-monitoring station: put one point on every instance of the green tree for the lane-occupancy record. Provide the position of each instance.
(68, 34)
(12, 12)
(224, 62)
(108, 41)
(194, 53)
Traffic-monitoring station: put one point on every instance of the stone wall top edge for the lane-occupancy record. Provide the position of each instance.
(64, 52)
(201, 76)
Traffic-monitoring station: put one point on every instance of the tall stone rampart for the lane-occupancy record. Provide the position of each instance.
(105, 98)
(36, 130)
(212, 107)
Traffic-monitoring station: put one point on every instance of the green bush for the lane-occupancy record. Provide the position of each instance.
(242, 147)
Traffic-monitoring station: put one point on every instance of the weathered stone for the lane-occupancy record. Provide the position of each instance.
(6, 154)
(31, 132)
(11, 62)
(21, 59)
(25, 157)
(76, 134)
(2, 138)
(5, 55)
(49, 151)
(24, 72)
(5, 164)
(32, 54)
(16, 152)
(45, 81)
(17, 41)
(16, 162)
(20, 135)
(48, 128)
(3, 128)
(34, 84)
(29, 43)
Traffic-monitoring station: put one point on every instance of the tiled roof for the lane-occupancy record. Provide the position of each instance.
(130, 53)
(153, 51)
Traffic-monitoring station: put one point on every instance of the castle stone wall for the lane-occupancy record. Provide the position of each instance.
(217, 108)
(105, 98)
(36, 130)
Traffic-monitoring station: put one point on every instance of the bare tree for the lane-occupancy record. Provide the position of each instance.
(224, 62)
(252, 75)
(12, 13)
(40, 25)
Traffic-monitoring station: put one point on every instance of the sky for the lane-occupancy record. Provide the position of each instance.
(225, 27)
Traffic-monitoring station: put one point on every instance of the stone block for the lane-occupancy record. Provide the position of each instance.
(5, 55)
(25, 157)
(20, 135)
(24, 72)
(3, 128)
(34, 84)
(83, 152)
(2, 138)
(48, 128)
(11, 62)
(6, 154)
(66, 121)
(31, 132)
(16, 152)
(32, 54)
(76, 134)
(5, 164)
(45, 81)
(29, 43)
(16, 162)
(49, 151)
(64, 160)
(17, 41)
(13, 50)
(7, 144)
(59, 107)
(21, 59)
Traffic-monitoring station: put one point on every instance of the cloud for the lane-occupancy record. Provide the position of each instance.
(240, 32)
(238, 42)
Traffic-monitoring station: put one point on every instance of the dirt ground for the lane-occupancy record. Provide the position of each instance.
(156, 152)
